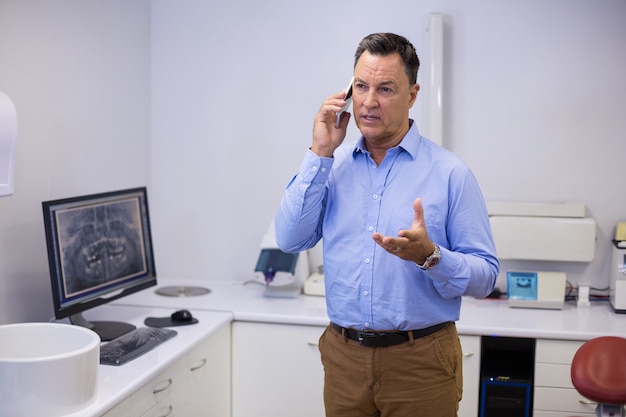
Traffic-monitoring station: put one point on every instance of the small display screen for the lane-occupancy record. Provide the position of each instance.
(276, 260)
(522, 285)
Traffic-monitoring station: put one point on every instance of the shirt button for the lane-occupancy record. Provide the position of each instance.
(323, 169)
(314, 168)
(375, 196)
(367, 260)
(371, 228)
(365, 293)
(366, 324)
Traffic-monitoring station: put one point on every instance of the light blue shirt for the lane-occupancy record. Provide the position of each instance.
(345, 199)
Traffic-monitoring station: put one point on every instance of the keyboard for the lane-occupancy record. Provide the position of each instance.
(133, 344)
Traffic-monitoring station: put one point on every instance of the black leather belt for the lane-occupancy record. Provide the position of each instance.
(383, 339)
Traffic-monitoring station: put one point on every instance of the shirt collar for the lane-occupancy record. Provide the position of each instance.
(410, 142)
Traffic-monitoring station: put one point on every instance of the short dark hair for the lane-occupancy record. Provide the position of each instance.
(383, 44)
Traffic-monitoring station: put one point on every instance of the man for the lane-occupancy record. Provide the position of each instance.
(406, 235)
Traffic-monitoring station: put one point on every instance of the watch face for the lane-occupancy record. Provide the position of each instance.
(432, 260)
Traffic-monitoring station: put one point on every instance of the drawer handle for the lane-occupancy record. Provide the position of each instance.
(167, 383)
(168, 412)
(467, 355)
(312, 344)
(586, 402)
(200, 365)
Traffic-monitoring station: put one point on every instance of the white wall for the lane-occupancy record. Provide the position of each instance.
(535, 98)
(78, 72)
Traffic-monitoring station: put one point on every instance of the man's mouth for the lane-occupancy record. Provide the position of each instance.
(370, 118)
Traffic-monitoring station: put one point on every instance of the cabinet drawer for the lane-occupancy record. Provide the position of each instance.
(553, 375)
(561, 399)
(172, 404)
(556, 351)
(159, 387)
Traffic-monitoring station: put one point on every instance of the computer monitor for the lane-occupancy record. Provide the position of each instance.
(99, 249)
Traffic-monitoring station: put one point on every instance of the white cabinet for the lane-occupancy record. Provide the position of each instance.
(471, 375)
(209, 376)
(276, 370)
(554, 394)
(196, 385)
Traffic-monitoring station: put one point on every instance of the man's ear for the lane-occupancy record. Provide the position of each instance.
(413, 90)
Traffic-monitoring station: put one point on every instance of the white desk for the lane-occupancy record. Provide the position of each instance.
(245, 301)
(117, 383)
(301, 320)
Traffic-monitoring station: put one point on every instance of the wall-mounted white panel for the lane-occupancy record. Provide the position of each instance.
(435, 95)
(8, 139)
(544, 238)
(536, 209)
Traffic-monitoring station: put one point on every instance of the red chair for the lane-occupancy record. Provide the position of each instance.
(599, 373)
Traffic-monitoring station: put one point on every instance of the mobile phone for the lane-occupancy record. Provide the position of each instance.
(348, 100)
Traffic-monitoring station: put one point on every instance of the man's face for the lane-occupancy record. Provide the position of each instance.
(382, 98)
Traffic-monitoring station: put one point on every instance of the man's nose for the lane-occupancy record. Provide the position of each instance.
(371, 99)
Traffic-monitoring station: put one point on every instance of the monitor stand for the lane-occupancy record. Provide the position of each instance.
(107, 330)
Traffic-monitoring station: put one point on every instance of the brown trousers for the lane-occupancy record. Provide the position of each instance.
(422, 378)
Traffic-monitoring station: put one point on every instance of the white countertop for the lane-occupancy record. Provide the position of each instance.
(478, 317)
(495, 318)
(115, 383)
(231, 300)
(245, 301)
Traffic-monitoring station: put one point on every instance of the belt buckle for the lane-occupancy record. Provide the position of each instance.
(372, 339)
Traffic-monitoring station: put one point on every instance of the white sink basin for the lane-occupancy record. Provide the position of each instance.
(47, 369)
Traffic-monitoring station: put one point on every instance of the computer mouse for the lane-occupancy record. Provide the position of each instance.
(182, 315)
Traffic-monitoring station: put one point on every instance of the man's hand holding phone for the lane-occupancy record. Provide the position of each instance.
(328, 128)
